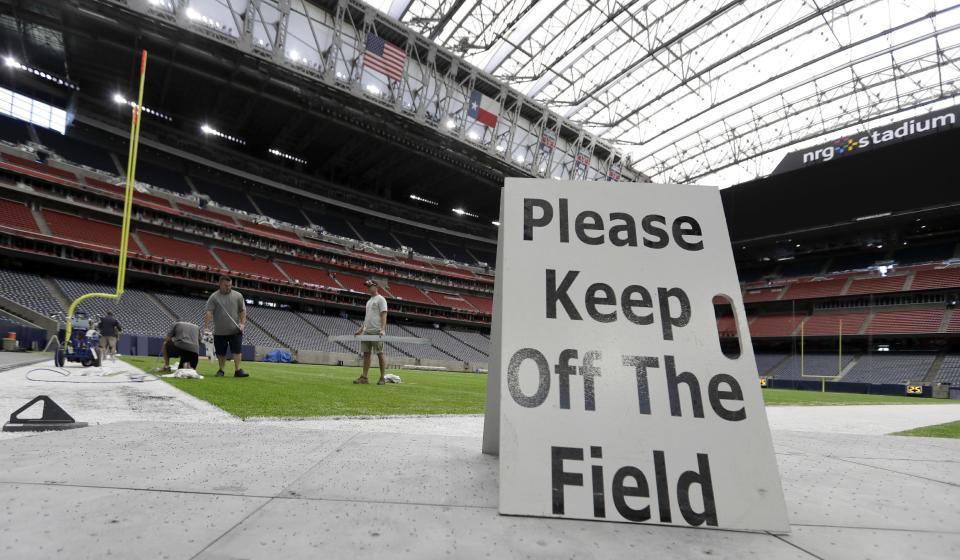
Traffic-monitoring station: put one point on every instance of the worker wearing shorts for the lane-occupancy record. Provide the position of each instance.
(227, 312)
(374, 323)
(109, 330)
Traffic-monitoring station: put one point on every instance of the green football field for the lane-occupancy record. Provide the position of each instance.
(298, 391)
(948, 430)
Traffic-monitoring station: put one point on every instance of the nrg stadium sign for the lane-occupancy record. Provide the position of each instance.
(878, 137)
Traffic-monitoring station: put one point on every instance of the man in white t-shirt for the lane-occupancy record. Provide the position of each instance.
(374, 323)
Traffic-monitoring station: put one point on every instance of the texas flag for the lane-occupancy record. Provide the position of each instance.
(483, 109)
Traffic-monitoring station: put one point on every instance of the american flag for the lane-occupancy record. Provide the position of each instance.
(386, 58)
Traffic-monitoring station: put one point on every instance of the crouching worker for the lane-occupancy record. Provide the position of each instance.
(183, 341)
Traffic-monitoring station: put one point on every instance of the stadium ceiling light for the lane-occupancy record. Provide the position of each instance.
(373, 89)
(451, 123)
(421, 199)
(462, 212)
(11, 62)
(278, 153)
(501, 148)
(519, 158)
(121, 100)
(496, 223)
(209, 130)
(194, 15)
(473, 135)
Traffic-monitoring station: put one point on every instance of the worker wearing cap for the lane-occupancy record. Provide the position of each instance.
(374, 323)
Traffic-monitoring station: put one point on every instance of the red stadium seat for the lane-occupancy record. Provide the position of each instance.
(87, 231)
(915, 321)
(248, 264)
(409, 293)
(121, 190)
(815, 289)
(936, 279)
(877, 285)
(727, 326)
(41, 167)
(352, 282)
(261, 228)
(161, 246)
(953, 326)
(209, 214)
(453, 301)
(484, 304)
(16, 215)
(828, 324)
(308, 274)
(766, 294)
(775, 325)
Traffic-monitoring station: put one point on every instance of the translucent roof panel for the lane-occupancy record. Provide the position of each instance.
(709, 92)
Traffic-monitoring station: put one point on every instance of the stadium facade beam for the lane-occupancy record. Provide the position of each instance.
(890, 88)
(434, 88)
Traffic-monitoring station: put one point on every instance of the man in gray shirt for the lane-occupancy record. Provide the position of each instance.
(228, 313)
(375, 323)
(109, 331)
(183, 341)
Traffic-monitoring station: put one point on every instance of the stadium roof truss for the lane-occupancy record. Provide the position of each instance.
(711, 91)
(326, 40)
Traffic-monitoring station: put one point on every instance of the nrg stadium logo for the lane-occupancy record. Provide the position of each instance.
(897, 132)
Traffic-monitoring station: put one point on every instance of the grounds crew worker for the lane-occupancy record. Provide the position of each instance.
(110, 329)
(227, 311)
(374, 323)
(183, 341)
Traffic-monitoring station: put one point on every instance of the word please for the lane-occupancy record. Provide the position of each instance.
(590, 229)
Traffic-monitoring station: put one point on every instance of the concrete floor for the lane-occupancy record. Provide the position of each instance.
(191, 483)
(103, 395)
(11, 360)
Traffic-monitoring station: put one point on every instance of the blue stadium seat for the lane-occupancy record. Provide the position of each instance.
(379, 236)
(13, 131)
(418, 244)
(281, 211)
(336, 225)
(76, 151)
(162, 176)
(922, 254)
(227, 197)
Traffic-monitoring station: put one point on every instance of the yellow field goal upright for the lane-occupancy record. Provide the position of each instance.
(823, 378)
(127, 207)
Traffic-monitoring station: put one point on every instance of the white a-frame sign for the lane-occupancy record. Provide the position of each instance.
(609, 397)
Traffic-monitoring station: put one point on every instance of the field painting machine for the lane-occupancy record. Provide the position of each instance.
(83, 345)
